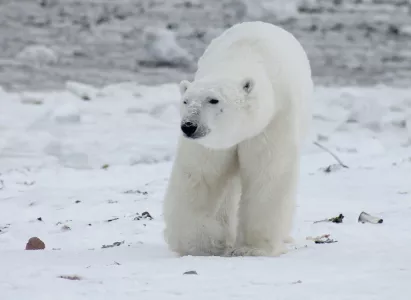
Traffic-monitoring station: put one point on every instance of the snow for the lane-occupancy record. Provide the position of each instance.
(162, 47)
(38, 54)
(280, 10)
(83, 163)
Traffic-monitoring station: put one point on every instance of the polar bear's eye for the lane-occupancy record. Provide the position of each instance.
(213, 101)
(185, 101)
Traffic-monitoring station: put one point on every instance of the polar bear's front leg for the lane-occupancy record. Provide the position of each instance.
(269, 173)
(200, 189)
(227, 213)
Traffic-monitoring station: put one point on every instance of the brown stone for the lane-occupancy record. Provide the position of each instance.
(35, 244)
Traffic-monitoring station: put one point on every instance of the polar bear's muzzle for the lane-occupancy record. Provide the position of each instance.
(193, 130)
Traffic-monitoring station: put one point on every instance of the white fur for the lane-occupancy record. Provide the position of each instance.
(232, 190)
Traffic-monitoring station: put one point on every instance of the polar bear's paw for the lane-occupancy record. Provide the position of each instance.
(211, 248)
(197, 245)
(249, 251)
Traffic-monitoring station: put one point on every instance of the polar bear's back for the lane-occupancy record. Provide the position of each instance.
(253, 42)
(247, 32)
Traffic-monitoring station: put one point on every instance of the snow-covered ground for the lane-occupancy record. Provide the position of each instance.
(80, 167)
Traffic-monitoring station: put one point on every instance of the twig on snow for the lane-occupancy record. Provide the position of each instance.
(337, 220)
(70, 277)
(332, 154)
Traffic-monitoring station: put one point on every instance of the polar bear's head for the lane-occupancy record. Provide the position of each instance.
(219, 113)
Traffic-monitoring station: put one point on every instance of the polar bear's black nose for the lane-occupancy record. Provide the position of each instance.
(188, 128)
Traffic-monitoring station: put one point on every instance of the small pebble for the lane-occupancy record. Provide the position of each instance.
(190, 273)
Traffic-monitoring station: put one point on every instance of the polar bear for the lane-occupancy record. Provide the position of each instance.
(244, 117)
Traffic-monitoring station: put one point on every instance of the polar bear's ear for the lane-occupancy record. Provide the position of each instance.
(184, 84)
(248, 85)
